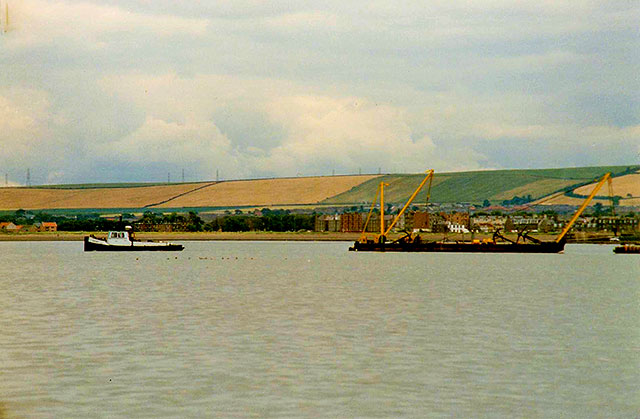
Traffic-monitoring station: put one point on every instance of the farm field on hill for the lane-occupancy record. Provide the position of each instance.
(496, 185)
(268, 192)
(627, 187)
(473, 187)
(51, 198)
(264, 192)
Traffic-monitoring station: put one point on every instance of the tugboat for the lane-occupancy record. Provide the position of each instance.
(123, 241)
(498, 244)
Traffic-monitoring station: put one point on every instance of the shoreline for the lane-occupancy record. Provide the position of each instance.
(186, 236)
(268, 236)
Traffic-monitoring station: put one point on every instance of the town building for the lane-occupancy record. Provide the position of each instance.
(9, 227)
(421, 221)
(351, 222)
(329, 223)
(457, 227)
(487, 223)
(46, 226)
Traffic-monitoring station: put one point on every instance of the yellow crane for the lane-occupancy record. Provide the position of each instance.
(380, 192)
(383, 233)
(605, 178)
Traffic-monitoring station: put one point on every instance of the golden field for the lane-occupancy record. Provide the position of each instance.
(627, 186)
(268, 192)
(138, 197)
(263, 192)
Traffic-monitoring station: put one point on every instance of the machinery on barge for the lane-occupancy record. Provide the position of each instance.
(627, 249)
(524, 243)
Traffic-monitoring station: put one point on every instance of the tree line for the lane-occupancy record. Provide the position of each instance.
(267, 220)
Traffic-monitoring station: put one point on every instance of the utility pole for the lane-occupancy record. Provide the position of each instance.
(28, 177)
(183, 175)
(217, 176)
(169, 177)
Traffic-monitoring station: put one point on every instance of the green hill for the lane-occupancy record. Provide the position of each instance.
(495, 185)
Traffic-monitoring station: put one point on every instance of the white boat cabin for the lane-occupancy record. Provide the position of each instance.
(119, 237)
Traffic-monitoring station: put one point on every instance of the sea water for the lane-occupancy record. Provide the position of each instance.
(304, 329)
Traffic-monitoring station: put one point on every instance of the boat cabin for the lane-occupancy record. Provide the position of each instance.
(118, 237)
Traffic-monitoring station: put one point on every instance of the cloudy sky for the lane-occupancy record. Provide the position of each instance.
(114, 90)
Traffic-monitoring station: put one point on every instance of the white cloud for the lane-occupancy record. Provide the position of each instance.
(171, 97)
(348, 134)
(157, 140)
(36, 22)
(318, 133)
(24, 121)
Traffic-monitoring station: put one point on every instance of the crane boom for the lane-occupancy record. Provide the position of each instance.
(413, 196)
(363, 235)
(382, 184)
(606, 177)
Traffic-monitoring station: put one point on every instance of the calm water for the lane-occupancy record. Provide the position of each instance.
(238, 329)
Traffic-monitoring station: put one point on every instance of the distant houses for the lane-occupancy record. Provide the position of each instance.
(46, 226)
(9, 227)
(415, 221)
(464, 222)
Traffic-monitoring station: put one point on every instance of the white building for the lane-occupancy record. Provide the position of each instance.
(457, 228)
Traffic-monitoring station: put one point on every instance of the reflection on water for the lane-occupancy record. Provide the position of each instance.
(235, 329)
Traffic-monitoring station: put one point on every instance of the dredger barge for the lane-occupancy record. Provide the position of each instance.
(459, 246)
(524, 243)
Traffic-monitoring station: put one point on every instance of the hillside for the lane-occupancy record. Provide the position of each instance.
(263, 192)
(474, 187)
(496, 185)
(627, 187)
(268, 192)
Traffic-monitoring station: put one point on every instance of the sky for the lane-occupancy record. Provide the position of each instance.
(141, 90)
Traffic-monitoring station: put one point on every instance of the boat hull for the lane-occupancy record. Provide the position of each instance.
(100, 246)
(460, 247)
